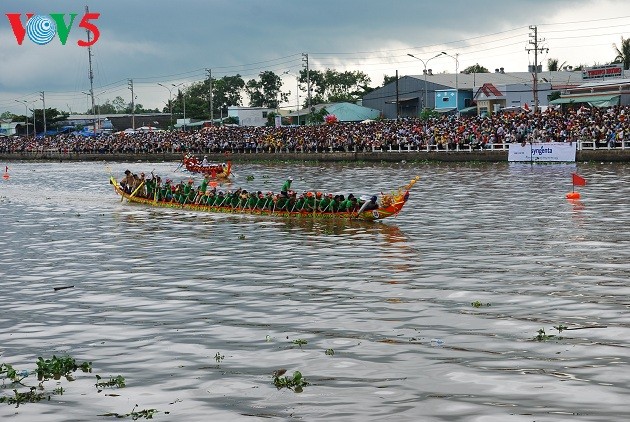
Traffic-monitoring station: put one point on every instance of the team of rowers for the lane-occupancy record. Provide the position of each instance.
(207, 194)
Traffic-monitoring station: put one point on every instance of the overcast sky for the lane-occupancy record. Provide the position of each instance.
(173, 42)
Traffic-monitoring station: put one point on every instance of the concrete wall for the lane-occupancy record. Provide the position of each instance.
(602, 155)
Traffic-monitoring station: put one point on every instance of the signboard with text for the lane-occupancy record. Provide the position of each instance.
(603, 72)
(543, 152)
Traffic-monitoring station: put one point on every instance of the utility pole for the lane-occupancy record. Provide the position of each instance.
(91, 76)
(397, 98)
(44, 110)
(308, 83)
(211, 106)
(133, 106)
(535, 42)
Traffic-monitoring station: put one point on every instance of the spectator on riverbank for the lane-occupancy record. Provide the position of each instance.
(445, 132)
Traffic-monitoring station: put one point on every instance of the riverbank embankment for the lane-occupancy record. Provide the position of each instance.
(600, 155)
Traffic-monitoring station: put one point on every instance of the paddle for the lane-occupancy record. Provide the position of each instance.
(136, 190)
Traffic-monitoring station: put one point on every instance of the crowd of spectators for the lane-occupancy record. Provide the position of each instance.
(604, 126)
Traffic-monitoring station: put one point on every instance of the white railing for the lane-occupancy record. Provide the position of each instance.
(591, 144)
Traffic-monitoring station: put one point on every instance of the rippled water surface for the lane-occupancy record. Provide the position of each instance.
(197, 310)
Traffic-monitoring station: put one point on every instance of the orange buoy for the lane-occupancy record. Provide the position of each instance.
(573, 195)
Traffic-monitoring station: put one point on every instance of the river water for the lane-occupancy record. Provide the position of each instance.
(196, 311)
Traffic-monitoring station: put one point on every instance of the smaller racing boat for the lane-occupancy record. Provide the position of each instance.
(214, 170)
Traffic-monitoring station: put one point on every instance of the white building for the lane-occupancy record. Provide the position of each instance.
(250, 116)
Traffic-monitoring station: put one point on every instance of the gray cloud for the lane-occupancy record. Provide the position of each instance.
(160, 40)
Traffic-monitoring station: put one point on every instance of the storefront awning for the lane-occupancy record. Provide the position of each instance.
(593, 100)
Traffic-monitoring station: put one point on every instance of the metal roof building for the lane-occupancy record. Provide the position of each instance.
(516, 88)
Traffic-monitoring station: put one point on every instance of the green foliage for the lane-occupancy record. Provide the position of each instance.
(553, 65)
(300, 342)
(428, 113)
(388, 79)
(53, 118)
(57, 367)
(623, 52)
(10, 373)
(30, 396)
(560, 328)
(135, 414)
(219, 357)
(478, 304)
(118, 382)
(476, 68)
(543, 336)
(46, 369)
(317, 117)
(329, 352)
(7, 115)
(265, 92)
(554, 95)
(227, 92)
(295, 383)
(333, 86)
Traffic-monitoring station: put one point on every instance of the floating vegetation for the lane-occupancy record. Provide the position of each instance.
(118, 382)
(329, 352)
(478, 304)
(55, 368)
(135, 414)
(241, 237)
(29, 396)
(543, 336)
(295, 383)
(249, 178)
(219, 357)
(300, 342)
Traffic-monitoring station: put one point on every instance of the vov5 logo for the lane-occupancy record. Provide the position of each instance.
(41, 29)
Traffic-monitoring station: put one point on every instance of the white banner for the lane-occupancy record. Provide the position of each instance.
(543, 151)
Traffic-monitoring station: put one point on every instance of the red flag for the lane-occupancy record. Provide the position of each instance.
(578, 180)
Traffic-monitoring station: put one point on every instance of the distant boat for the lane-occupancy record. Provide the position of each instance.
(215, 170)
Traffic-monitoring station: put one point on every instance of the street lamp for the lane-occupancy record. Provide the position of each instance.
(25, 113)
(456, 73)
(183, 100)
(170, 100)
(425, 73)
(297, 90)
(98, 108)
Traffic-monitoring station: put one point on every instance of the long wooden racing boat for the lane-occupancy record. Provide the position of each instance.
(382, 206)
(216, 171)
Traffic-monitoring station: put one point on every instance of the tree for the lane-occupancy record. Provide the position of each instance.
(266, 91)
(476, 68)
(105, 108)
(226, 92)
(552, 65)
(120, 105)
(53, 118)
(7, 115)
(554, 95)
(623, 52)
(331, 86)
(388, 79)
(197, 101)
(318, 85)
